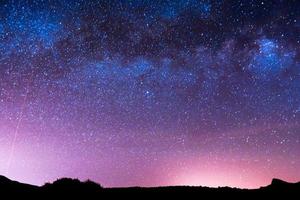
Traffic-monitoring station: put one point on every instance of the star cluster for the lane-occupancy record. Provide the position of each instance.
(148, 93)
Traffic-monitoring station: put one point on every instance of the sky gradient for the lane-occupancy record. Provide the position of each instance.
(150, 93)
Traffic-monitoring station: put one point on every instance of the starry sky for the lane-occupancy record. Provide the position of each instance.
(150, 93)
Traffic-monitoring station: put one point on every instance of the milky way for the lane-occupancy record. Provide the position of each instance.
(150, 93)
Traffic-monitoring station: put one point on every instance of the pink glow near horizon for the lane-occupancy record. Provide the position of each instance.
(37, 163)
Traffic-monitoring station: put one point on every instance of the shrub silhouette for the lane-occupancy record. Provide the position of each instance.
(69, 185)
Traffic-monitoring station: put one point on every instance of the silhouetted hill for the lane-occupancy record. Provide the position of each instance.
(7, 185)
(73, 188)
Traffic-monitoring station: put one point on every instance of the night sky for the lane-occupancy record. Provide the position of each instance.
(150, 93)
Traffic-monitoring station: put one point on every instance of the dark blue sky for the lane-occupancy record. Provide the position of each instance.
(150, 92)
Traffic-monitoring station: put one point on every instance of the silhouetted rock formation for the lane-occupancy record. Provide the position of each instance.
(277, 182)
(73, 188)
(282, 186)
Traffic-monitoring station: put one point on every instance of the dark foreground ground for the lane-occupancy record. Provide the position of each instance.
(74, 188)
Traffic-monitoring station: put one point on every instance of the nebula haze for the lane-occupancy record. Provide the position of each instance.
(150, 93)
